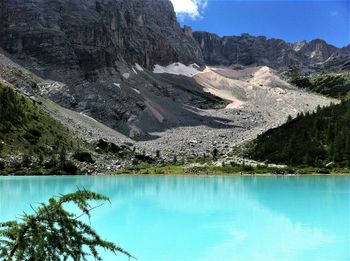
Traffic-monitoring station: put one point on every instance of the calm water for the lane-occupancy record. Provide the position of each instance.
(207, 218)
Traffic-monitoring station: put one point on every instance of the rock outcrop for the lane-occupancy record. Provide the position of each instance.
(258, 50)
(94, 52)
(94, 34)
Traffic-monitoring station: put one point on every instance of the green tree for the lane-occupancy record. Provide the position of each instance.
(52, 233)
(26, 160)
(215, 153)
(174, 160)
(40, 159)
(62, 156)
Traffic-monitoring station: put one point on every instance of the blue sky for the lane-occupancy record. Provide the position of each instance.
(289, 20)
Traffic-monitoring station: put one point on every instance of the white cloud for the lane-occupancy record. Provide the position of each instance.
(191, 8)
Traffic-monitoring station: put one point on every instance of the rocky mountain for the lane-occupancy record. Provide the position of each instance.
(258, 50)
(92, 34)
(97, 53)
(129, 65)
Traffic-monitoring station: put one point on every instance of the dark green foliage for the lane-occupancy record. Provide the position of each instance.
(331, 84)
(103, 145)
(113, 148)
(302, 82)
(247, 168)
(26, 127)
(174, 160)
(52, 233)
(312, 139)
(215, 153)
(2, 165)
(52, 163)
(26, 161)
(144, 158)
(324, 171)
(69, 168)
(62, 156)
(61, 167)
(122, 151)
(33, 136)
(83, 157)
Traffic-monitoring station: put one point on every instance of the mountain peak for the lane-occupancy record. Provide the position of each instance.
(258, 50)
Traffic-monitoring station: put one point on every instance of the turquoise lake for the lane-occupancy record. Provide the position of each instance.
(180, 218)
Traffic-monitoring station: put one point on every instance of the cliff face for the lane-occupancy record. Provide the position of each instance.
(89, 35)
(90, 48)
(93, 34)
(276, 53)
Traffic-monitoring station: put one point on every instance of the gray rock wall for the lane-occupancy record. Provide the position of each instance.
(276, 53)
(93, 34)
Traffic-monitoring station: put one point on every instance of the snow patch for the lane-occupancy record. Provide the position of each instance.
(313, 54)
(126, 75)
(137, 91)
(118, 85)
(138, 67)
(133, 69)
(177, 69)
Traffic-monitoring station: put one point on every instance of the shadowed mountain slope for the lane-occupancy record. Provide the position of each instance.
(275, 53)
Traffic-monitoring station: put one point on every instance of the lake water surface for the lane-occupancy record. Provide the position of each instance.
(180, 218)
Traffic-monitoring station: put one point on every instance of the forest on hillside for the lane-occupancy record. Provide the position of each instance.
(316, 139)
(336, 85)
(26, 128)
(30, 138)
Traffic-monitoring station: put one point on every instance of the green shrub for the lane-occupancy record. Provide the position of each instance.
(290, 171)
(215, 153)
(113, 148)
(69, 168)
(26, 161)
(323, 171)
(247, 167)
(174, 162)
(52, 163)
(103, 145)
(83, 157)
(144, 158)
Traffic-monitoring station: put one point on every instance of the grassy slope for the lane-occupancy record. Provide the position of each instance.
(27, 129)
